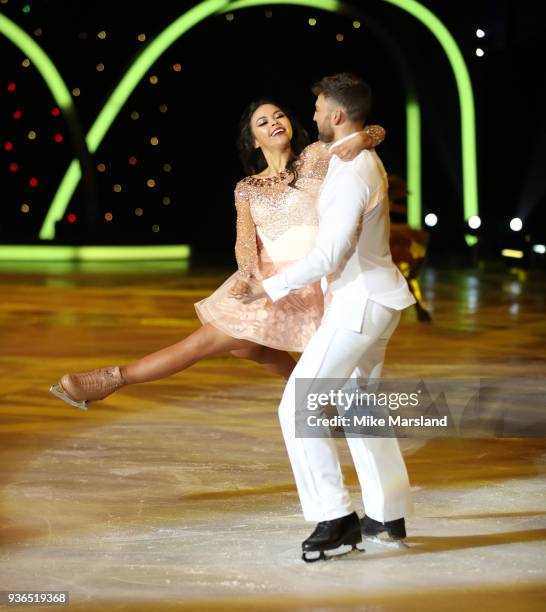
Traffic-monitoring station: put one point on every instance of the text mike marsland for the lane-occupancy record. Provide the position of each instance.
(371, 421)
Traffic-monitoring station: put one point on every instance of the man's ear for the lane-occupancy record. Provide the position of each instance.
(337, 116)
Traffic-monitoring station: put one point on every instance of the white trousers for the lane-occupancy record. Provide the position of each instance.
(343, 354)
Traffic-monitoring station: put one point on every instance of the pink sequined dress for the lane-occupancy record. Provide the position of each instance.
(276, 225)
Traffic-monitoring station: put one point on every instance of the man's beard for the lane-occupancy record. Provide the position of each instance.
(325, 133)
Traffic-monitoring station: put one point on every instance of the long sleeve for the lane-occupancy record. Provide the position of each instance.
(314, 159)
(341, 212)
(246, 249)
(377, 133)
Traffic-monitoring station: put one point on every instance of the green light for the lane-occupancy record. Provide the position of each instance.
(34, 253)
(203, 10)
(466, 99)
(470, 239)
(413, 161)
(117, 99)
(26, 8)
(39, 58)
(62, 97)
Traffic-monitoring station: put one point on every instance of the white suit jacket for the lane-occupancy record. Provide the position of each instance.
(352, 245)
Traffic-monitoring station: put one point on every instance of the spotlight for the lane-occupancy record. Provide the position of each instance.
(312, 21)
(431, 220)
(516, 224)
(479, 52)
(480, 33)
(539, 248)
(474, 222)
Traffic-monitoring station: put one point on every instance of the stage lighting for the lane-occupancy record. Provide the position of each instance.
(154, 79)
(13, 167)
(154, 141)
(163, 108)
(512, 253)
(155, 228)
(108, 216)
(76, 92)
(100, 67)
(102, 34)
(134, 115)
(150, 183)
(479, 52)
(12, 87)
(312, 21)
(141, 37)
(139, 212)
(166, 200)
(117, 188)
(17, 114)
(480, 33)
(516, 224)
(71, 218)
(230, 17)
(474, 222)
(38, 32)
(59, 138)
(25, 63)
(539, 248)
(431, 220)
(25, 208)
(101, 167)
(339, 37)
(356, 24)
(31, 135)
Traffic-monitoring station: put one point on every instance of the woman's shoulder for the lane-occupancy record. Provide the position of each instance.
(241, 188)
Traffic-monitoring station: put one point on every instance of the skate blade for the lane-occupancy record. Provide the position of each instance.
(322, 556)
(58, 392)
(386, 542)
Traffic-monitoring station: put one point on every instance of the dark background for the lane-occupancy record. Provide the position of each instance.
(225, 64)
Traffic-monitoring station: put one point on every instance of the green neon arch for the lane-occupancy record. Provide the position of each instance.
(208, 7)
(41, 60)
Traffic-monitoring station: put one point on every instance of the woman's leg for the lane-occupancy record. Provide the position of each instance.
(204, 342)
(80, 389)
(278, 362)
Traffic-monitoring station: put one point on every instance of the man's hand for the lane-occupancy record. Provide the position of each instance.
(255, 291)
(240, 288)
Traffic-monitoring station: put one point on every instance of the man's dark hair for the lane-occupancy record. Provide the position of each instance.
(350, 91)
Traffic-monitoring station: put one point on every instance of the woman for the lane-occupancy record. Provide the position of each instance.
(276, 224)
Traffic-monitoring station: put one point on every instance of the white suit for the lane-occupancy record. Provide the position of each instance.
(365, 294)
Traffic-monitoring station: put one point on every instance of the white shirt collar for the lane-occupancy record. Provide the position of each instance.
(342, 140)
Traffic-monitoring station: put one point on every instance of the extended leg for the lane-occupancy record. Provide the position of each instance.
(278, 362)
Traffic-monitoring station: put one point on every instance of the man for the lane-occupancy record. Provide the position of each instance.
(366, 293)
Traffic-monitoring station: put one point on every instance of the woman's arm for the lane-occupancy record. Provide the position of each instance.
(315, 158)
(371, 136)
(246, 250)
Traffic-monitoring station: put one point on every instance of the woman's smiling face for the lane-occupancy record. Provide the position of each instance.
(271, 127)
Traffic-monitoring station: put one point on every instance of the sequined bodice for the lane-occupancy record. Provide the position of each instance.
(282, 216)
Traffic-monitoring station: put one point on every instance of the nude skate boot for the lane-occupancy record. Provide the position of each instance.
(79, 390)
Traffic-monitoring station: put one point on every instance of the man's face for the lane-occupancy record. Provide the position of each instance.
(322, 118)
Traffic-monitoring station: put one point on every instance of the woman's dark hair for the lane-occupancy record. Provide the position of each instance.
(252, 159)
